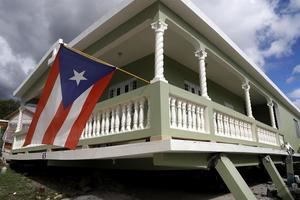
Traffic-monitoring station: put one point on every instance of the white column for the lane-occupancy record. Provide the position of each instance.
(20, 119)
(271, 110)
(159, 28)
(246, 88)
(201, 55)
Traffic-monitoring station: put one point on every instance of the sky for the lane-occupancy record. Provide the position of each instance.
(268, 31)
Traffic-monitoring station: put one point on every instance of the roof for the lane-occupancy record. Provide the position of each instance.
(190, 14)
(31, 109)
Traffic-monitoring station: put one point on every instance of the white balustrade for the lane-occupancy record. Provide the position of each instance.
(266, 136)
(186, 115)
(228, 126)
(129, 116)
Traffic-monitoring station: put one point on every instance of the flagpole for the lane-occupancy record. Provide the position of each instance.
(103, 62)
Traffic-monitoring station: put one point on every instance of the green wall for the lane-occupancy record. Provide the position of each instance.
(176, 74)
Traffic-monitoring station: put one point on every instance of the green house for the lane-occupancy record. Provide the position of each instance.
(206, 99)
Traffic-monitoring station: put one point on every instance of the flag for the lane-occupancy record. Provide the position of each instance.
(74, 85)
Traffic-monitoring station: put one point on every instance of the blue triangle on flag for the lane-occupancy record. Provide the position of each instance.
(78, 73)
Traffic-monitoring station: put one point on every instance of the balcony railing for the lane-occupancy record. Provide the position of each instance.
(123, 117)
(161, 109)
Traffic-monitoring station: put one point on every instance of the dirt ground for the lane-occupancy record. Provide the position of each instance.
(57, 183)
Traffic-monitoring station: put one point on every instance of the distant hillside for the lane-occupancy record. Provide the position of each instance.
(7, 107)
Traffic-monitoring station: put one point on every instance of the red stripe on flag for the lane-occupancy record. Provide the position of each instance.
(86, 111)
(56, 123)
(54, 71)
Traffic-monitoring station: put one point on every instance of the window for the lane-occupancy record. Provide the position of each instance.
(195, 89)
(297, 128)
(123, 87)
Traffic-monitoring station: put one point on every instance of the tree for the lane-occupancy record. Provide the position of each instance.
(7, 107)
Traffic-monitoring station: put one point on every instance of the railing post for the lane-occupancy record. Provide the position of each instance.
(159, 108)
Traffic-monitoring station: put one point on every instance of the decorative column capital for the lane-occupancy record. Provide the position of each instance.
(270, 103)
(159, 26)
(246, 85)
(201, 54)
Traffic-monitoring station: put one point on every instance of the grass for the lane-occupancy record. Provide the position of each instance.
(15, 186)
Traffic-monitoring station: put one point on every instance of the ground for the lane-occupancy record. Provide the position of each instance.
(82, 183)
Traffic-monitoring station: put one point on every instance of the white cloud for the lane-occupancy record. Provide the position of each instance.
(296, 69)
(258, 27)
(295, 73)
(290, 79)
(297, 103)
(13, 68)
(295, 96)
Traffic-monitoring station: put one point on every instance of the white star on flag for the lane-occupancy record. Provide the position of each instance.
(78, 77)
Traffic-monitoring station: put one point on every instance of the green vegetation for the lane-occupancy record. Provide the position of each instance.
(7, 107)
(15, 186)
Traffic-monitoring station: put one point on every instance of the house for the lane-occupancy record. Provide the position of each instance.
(15, 122)
(3, 125)
(208, 105)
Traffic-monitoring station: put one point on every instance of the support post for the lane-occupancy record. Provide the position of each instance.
(159, 28)
(233, 179)
(282, 189)
(201, 55)
(246, 88)
(271, 110)
(290, 170)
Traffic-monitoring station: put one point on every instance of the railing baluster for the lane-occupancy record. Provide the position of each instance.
(194, 117)
(141, 113)
(117, 120)
(173, 112)
(184, 117)
(103, 123)
(189, 120)
(135, 115)
(94, 124)
(128, 117)
(123, 118)
(106, 131)
(112, 121)
(98, 126)
(179, 114)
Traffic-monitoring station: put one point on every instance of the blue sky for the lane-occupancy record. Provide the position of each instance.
(268, 31)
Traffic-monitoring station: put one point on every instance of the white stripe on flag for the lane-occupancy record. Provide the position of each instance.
(48, 113)
(75, 110)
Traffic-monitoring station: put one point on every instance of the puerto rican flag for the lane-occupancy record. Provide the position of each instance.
(74, 85)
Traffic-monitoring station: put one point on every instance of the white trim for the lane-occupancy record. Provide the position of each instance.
(147, 149)
(39, 69)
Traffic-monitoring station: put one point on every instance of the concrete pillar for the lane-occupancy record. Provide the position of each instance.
(201, 54)
(233, 179)
(159, 28)
(282, 189)
(246, 88)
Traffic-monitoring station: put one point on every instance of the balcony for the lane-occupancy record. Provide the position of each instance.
(159, 111)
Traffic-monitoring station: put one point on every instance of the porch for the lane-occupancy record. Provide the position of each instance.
(162, 111)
